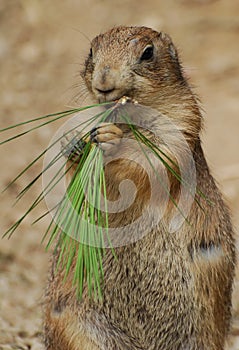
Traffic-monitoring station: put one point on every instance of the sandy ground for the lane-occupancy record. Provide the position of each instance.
(42, 46)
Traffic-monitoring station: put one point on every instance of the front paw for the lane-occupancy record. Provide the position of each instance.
(107, 136)
(72, 145)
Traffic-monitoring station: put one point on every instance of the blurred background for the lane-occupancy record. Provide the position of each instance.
(42, 48)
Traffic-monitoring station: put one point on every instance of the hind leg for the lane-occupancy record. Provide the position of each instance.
(63, 332)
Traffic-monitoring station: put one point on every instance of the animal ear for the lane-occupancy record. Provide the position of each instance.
(173, 53)
(166, 39)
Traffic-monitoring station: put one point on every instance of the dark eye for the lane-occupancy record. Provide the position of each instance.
(148, 53)
(91, 53)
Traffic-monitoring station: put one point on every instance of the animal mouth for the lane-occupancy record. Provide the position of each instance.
(108, 95)
(112, 96)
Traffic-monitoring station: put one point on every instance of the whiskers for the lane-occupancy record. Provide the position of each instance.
(78, 91)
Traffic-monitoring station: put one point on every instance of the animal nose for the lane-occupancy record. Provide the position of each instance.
(104, 80)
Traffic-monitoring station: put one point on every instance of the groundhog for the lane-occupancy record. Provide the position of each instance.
(170, 289)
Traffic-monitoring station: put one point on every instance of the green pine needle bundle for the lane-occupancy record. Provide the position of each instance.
(80, 223)
(79, 226)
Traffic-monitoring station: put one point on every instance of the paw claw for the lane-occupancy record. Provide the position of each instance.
(93, 135)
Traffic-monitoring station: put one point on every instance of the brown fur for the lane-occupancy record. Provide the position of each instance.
(167, 291)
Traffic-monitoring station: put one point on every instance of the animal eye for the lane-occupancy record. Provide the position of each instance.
(91, 53)
(148, 53)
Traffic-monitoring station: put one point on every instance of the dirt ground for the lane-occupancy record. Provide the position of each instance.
(42, 46)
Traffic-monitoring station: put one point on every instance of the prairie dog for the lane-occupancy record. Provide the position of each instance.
(167, 291)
